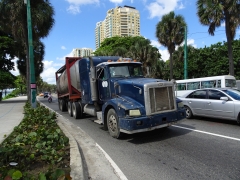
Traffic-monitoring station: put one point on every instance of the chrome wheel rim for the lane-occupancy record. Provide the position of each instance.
(187, 112)
(112, 123)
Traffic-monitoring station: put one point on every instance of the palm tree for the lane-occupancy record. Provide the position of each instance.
(214, 12)
(14, 20)
(39, 52)
(143, 51)
(170, 33)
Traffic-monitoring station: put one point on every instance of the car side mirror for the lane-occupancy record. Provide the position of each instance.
(224, 98)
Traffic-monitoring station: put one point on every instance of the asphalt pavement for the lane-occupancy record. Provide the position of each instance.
(82, 147)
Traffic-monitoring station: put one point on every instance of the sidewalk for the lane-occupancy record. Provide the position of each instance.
(11, 114)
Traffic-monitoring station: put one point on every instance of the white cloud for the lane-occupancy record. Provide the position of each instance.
(74, 9)
(48, 74)
(181, 6)
(16, 71)
(82, 2)
(155, 43)
(116, 1)
(161, 7)
(74, 6)
(63, 47)
(191, 42)
(164, 54)
(223, 24)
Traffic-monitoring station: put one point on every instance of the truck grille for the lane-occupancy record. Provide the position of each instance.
(161, 99)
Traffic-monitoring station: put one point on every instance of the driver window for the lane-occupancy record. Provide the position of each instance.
(100, 74)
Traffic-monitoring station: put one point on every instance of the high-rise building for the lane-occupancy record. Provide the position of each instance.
(82, 52)
(120, 21)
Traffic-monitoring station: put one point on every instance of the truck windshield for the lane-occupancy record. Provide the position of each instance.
(126, 71)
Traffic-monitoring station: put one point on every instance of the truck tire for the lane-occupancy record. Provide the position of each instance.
(70, 108)
(76, 110)
(62, 105)
(112, 124)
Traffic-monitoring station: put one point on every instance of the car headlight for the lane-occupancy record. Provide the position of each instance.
(180, 105)
(134, 112)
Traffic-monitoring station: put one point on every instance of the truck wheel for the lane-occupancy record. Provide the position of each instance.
(70, 108)
(62, 105)
(76, 110)
(112, 124)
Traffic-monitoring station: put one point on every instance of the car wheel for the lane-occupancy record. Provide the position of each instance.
(238, 119)
(189, 114)
(112, 124)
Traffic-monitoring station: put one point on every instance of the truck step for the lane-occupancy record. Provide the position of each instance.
(98, 121)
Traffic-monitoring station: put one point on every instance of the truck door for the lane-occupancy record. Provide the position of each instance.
(103, 84)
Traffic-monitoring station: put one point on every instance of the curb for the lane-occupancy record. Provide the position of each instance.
(76, 164)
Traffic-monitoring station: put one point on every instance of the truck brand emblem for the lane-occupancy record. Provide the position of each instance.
(160, 84)
(104, 84)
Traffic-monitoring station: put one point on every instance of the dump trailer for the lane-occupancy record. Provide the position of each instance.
(115, 91)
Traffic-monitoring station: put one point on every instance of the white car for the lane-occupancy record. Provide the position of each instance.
(221, 103)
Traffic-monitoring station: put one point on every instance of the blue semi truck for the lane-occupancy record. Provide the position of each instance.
(115, 90)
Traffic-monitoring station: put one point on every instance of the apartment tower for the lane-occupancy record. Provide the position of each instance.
(82, 52)
(120, 21)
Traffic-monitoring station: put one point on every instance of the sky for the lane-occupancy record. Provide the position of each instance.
(75, 23)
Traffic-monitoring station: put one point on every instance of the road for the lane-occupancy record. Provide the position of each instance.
(199, 148)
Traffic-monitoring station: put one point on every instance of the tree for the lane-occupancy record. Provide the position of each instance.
(20, 83)
(7, 51)
(170, 33)
(137, 48)
(14, 19)
(6, 80)
(213, 13)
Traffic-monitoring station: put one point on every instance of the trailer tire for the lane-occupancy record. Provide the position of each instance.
(112, 124)
(76, 110)
(70, 108)
(62, 105)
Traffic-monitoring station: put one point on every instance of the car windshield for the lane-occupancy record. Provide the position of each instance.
(126, 71)
(233, 93)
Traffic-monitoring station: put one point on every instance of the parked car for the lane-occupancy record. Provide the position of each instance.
(45, 95)
(222, 103)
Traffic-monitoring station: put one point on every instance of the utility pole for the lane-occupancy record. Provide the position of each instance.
(31, 56)
(185, 55)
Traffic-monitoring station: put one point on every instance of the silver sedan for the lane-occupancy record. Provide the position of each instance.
(213, 102)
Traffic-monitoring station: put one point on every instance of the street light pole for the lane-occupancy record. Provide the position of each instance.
(31, 56)
(185, 56)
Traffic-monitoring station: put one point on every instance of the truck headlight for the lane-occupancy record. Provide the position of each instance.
(134, 112)
(180, 105)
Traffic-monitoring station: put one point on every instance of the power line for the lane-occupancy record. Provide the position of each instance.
(208, 36)
(203, 32)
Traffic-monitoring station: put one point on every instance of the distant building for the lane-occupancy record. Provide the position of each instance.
(120, 21)
(82, 52)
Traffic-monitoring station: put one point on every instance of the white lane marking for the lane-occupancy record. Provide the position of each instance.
(213, 134)
(115, 167)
